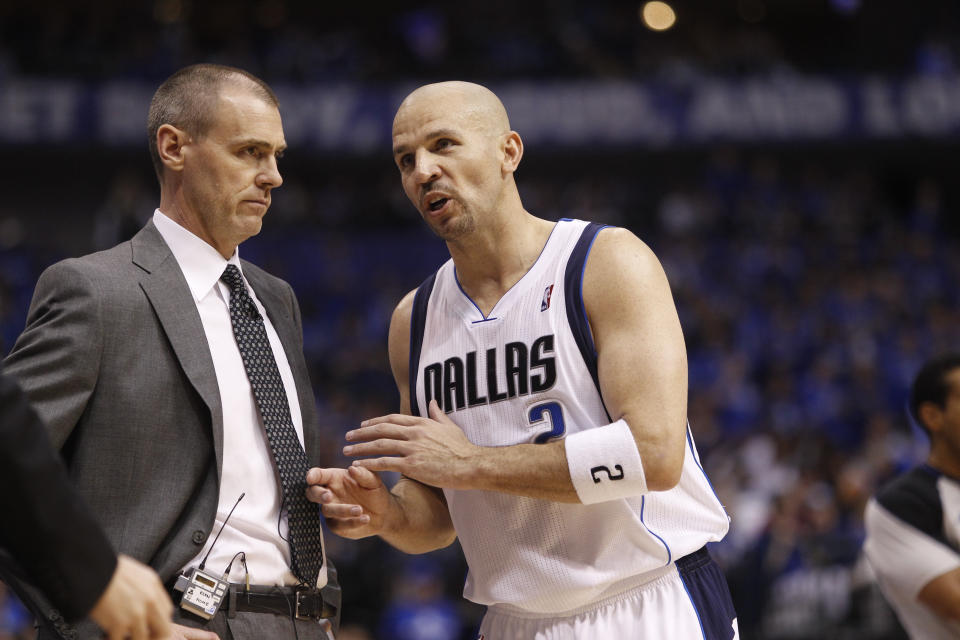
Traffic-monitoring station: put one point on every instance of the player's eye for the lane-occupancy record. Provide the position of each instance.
(443, 143)
(405, 161)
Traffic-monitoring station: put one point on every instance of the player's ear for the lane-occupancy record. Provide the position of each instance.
(512, 147)
(170, 144)
(931, 416)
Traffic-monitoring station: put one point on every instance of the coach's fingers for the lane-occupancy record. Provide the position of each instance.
(317, 475)
(341, 511)
(341, 525)
(365, 478)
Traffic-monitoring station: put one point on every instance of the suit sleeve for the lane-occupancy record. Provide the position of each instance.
(56, 359)
(45, 526)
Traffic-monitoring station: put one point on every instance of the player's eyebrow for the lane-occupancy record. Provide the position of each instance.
(433, 135)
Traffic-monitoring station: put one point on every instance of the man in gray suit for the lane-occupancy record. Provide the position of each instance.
(147, 363)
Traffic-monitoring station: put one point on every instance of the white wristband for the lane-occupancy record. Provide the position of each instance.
(604, 463)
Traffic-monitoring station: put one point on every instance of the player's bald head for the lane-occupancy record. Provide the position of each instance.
(474, 104)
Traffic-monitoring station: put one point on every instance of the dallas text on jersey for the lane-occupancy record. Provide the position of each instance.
(453, 383)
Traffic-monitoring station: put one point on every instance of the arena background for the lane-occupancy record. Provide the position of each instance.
(792, 163)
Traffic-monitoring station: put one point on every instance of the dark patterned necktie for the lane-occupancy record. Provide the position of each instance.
(303, 517)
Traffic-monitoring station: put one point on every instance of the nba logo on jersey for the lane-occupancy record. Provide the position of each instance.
(546, 298)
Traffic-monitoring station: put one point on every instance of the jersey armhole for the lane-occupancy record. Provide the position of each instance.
(576, 311)
(418, 323)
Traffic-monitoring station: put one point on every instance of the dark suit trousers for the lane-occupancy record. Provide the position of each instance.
(246, 625)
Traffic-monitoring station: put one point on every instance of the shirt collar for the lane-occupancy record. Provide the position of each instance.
(200, 263)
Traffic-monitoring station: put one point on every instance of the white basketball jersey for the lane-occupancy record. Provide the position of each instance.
(525, 374)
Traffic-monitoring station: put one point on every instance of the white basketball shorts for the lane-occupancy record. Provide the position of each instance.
(690, 601)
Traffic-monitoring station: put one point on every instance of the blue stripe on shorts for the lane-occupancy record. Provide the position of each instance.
(709, 594)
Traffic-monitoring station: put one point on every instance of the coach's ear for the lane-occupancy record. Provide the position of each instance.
(171, 142)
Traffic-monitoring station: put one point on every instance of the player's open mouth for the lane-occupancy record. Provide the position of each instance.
(437, 204)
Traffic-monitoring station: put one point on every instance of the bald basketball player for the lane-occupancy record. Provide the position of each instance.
(543, 392)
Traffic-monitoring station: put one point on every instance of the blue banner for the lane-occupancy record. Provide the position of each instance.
(574, 114)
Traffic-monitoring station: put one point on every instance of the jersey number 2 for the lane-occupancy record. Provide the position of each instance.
(555, 413)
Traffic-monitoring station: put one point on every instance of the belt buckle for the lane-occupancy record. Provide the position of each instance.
(308, 615)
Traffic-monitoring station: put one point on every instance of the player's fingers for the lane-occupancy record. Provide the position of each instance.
(435, 412)
(364, 478)
(393, 418)
(381, 430)
(380, 447)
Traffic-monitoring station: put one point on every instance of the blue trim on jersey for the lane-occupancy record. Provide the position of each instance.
(696, 459)
(456, 279)
(693, 450)
(643, 503)
(577, 313)
(693, 604)
(418, 323)
(484, 320)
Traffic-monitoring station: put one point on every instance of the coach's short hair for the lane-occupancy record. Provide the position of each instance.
(188, 100)
(930, 385)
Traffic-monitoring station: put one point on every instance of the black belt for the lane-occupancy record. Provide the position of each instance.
(302, 603)
(296, 602)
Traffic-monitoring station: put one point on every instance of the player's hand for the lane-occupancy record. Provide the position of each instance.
(432, 450)
(134, 605)
(354, 501)
(181, 632)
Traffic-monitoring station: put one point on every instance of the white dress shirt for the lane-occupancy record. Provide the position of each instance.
(256, 526)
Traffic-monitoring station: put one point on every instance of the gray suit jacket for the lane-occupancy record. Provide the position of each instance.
(115, 359)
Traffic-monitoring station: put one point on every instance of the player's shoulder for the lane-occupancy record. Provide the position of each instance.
(618, 259)
(404, 308)
(914, 498)
(618, 245)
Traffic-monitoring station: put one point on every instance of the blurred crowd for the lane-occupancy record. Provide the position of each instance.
(810, 288)
(809, 297)
(302, 41)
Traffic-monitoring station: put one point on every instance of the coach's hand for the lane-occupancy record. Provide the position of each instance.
(134, 604)
(354, 501)
(432, 450)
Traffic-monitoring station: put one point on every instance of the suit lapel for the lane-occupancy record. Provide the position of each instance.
(169, 294)
(279, 311)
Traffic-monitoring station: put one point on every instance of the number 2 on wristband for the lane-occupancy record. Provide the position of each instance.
(555, 413)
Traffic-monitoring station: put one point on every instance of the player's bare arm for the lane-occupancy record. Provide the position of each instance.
(411, 516)
(643, 380)
(942, 594)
